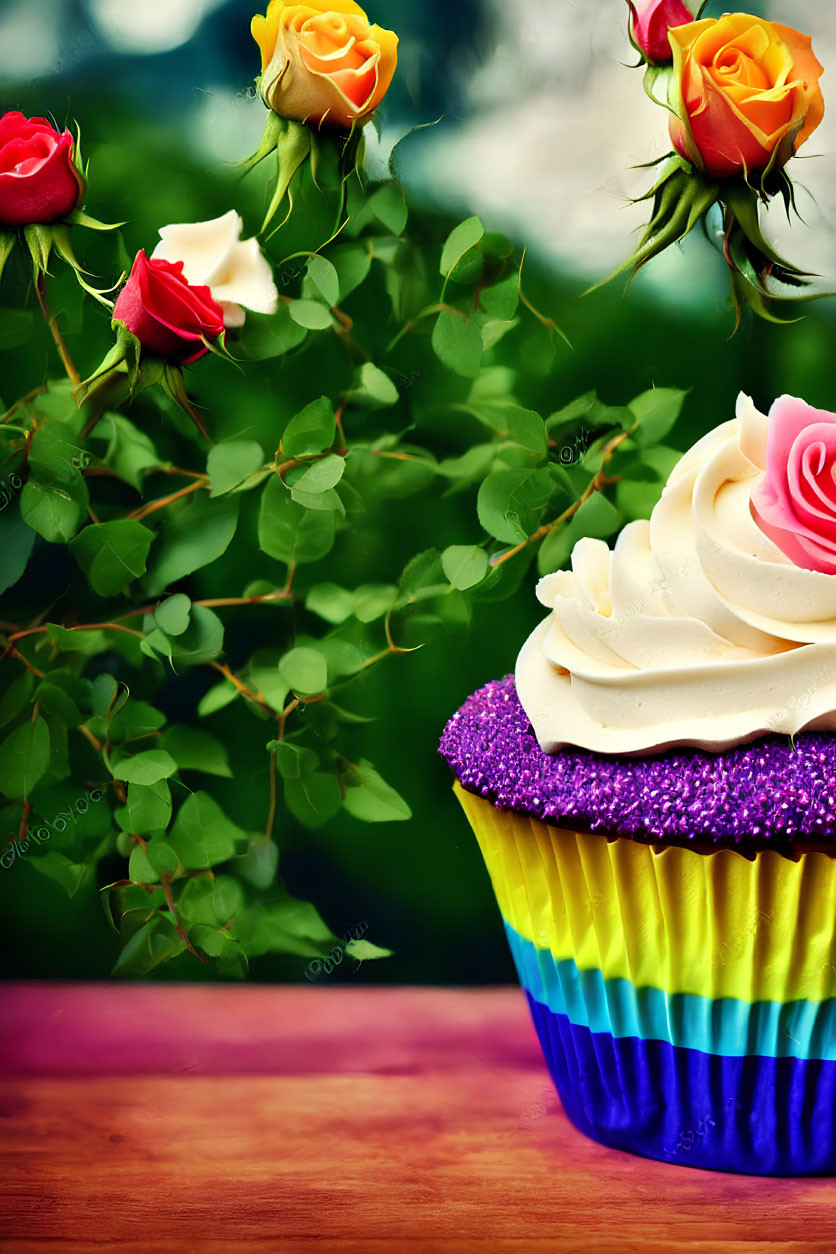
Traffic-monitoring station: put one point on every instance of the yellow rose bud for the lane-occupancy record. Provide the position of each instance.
(323, 62)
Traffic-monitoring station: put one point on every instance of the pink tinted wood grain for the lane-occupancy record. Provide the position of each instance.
(209, 1119)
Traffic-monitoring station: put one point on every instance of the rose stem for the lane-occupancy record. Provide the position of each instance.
(72, 373)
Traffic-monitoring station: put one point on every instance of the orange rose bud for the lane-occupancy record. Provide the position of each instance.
(745, 93)
(323, 62)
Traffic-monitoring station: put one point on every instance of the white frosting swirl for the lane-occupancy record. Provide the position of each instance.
(696, 630)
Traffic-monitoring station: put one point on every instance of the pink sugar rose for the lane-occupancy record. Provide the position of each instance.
(652, 19)
(795, 504)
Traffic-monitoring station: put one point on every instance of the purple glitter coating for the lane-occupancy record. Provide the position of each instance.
(769, 794)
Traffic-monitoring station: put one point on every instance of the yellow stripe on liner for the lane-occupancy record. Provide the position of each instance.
(713, 925)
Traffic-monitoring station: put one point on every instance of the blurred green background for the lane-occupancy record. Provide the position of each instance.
(163, 94)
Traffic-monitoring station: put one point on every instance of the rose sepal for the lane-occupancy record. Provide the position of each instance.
(127, 360)
(293, 149)
(759, 275)
(682, 196)
(653, 75)
(42, 241)
(296, 144)
(8, 239)
(268, 144)
(122, 359)
(80, 218)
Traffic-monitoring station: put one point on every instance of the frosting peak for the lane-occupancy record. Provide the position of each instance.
(701, 628)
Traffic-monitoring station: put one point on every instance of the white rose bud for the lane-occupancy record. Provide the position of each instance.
(213, 255)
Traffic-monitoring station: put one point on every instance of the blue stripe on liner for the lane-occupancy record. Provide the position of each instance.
(799, 1029)
(761, 1116)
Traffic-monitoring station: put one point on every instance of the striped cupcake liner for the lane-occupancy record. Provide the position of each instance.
(685, 1002)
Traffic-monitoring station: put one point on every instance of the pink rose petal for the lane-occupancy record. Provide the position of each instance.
(795, 503)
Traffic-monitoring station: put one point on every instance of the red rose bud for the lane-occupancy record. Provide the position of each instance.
(652, 19)
(39, 180)
(168, 316)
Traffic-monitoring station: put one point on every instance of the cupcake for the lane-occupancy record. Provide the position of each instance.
(654, 793)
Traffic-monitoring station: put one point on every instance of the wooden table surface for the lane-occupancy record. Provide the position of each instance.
(217, 1119)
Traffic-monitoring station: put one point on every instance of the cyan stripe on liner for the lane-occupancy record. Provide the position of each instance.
(799, 1029)
(762, 1116)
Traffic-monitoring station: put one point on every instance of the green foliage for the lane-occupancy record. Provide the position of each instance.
(204, 666)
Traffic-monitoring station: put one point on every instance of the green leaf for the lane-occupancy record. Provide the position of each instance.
(460, 241)
(24, 758)
(147, 809)
(217, 698)
(54, 502)
(556, 549)
(511, 503)
(642, 480)
(637, 499)
(597, 517)
(15, 327)
(352, 263)
(369, 798)
(135, 720)
(202, 835)
(263, 676)
(365, 951)
(526, 428)
(325, 279)
(389, 207)
(58, 703)
(289, 532)
(57, 866)
(194, 749)
(55, 509)
(314, 799)
(289, 926)
(201, 643)
(16, 697)
(458, 343)
(270, 335)
(172, 615)
(130, 452)
(209, 941)
(229, 464)
(16, 544)
(373, 389)
(305, 670)
(465, 565)
(68, 640)
(423, 578)
(372, 601)
(311, 431)
(656, 412)
(103, 690)
(260, 864)
(140, 869)
(293, 761)
(330, 602)
(146, 768)
(211, 900)
(154, 943)
(112, 554)
(311, 315)
(473, 465)
(162, 857)
(317, 477)
(198, 535)
(500, 300)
